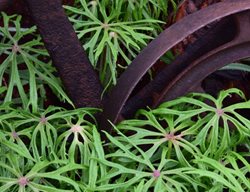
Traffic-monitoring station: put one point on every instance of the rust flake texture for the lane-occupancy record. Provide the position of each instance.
(78, 76)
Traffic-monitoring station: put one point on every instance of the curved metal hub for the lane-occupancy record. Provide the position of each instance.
(164, 42)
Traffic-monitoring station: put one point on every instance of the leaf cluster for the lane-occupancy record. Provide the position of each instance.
(113, 32)
(47, 151)
(26, 67)
(194, 143)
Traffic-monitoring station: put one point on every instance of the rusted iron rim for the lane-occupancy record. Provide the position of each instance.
(164, 42)
(210, 62)
(78, 76)
(203, 69)
(218, 34)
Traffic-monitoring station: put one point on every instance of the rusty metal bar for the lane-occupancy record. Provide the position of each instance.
(165, 41)
(78, 76)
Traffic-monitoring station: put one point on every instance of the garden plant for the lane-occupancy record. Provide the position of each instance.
(193, 143)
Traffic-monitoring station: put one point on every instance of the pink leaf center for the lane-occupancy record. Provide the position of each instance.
(43, 120)
(15, 48)
(23, 181)
(156, 173)
(14, 135)
(219, 112)
(172, 137)
(76, 129)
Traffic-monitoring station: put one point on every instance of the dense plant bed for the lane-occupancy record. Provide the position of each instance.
(193, 143)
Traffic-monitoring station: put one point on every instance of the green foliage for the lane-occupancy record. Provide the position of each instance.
(237, 66)
(24, 69)
(193, 143)
(184, 145)
(113, 32)
(31, 149)
(189, 144)
(23, 175)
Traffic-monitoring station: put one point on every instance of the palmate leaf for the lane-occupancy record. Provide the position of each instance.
(143, 169)
(22, 70)
(213, 133)
(33, 173)
(172, 135)
(172, 161)
(34, 152)
(44, 130)
(189, 127)
(77, 129)
(108, 34)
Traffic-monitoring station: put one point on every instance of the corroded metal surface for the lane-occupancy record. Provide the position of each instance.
(225, 30)
(83, 85)
(4, 4)
(192, 75)
(78, 76)
(164, 42)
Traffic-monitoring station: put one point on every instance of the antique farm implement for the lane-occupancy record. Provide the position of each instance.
(226, 40)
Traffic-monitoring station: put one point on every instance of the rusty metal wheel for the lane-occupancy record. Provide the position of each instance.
(207, 54)
(187, 72)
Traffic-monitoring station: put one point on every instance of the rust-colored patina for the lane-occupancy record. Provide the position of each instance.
(78, 76)
(4, 4)
(191, 76)
(182, 79)
(217, 35)
(226, 41)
